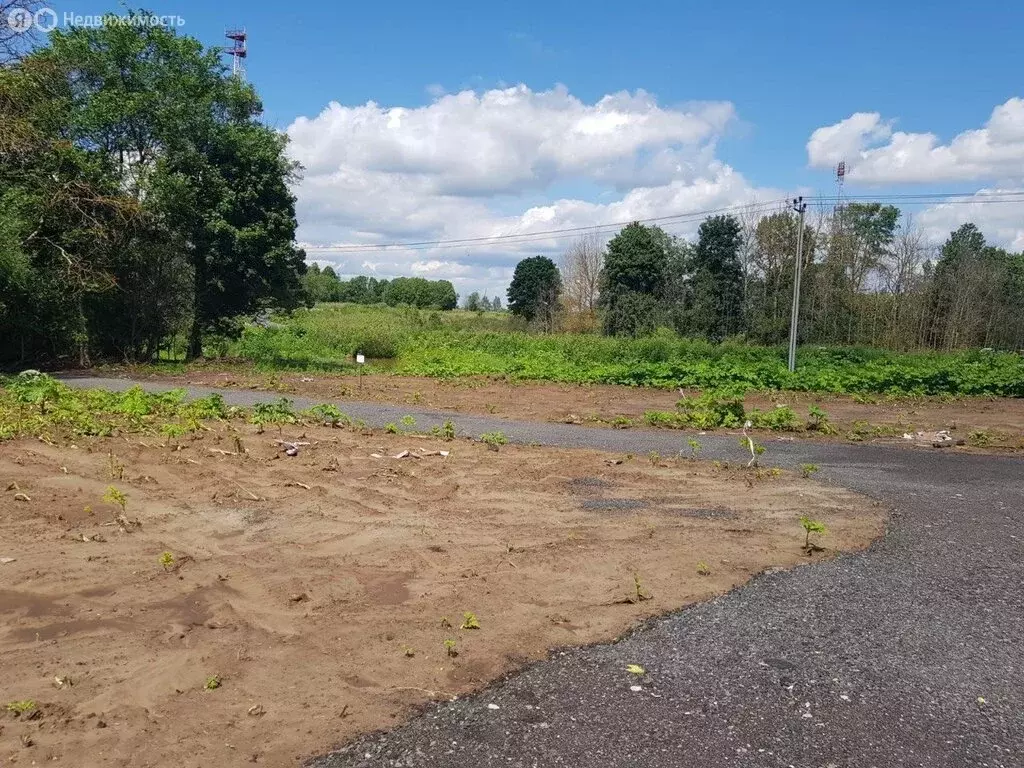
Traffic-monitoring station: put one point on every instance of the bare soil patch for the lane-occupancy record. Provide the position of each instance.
(998, 422)
(318, 591)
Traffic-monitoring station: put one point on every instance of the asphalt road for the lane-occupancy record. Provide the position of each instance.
(908, 654)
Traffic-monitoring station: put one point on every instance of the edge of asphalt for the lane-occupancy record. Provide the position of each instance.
(780, 450)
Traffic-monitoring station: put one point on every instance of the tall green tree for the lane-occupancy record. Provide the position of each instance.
(858, 241)
(717, 281)
(473, 302)
(185, 215)
(633, 280)
(770, 285)
(534, 290)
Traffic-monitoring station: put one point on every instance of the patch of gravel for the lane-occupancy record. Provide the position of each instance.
(589, 484)
(702, 513)
(610, 505)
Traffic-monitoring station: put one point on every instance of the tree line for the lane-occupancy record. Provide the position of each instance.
(325, 285)
(870, 278)
(141, 198)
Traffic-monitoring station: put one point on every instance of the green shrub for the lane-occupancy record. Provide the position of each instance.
(376, 345)
(781, 418)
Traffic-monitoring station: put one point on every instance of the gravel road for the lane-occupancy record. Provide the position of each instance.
(908, 654)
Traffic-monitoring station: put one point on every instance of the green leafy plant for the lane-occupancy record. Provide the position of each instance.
(695, 447)
(172, 431)
(113, 495)
(703, 569)
(470, 621)
(167, 560)
(408, 422)
(213, 682)
(811, 526)
(654, 457)
(329, 414)
(494, 439)
(450, 648)
(807, 470)
(635, 669)
(391, 428)
(21, 707)
(781, 418)
(277, 413)
(818, 421)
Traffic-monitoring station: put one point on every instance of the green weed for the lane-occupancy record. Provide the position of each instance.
(811, 526)
(494, 439)
(21, 707)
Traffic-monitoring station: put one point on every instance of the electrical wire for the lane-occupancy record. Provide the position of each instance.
(943, 198)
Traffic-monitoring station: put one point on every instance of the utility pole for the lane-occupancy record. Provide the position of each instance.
(800, 207)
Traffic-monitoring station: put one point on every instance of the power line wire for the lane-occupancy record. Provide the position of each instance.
(544, 234)
(945, 198)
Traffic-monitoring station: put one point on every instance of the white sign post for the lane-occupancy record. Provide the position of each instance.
(360, 361)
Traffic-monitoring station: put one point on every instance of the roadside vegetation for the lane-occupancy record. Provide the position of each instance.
(453, 344)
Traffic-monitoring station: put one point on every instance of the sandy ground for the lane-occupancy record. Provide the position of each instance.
(320, 589)
(1001, 418)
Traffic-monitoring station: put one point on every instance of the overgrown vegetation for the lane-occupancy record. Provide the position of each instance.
(34, 404)
(455, 344)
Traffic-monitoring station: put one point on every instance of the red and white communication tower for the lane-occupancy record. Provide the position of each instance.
(238, 51)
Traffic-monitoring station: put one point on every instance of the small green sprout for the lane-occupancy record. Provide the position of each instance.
(391, 428)
(408, 422)
(408, 651)
(635, 669)
(695, 447)
(808, 469)
(811, 526)
(470, 621)
(450, 649)
(702, 569)
(167, 560)
(21, 707)
(114, 496)
(212, 683)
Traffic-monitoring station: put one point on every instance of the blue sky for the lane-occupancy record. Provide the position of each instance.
(784, 70)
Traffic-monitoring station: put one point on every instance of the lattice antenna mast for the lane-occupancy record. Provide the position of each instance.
(840, 181)
(238, 51)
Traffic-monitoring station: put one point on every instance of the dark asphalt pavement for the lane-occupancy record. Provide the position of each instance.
(908, 654)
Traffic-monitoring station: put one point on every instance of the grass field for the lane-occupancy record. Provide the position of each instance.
(452, 344)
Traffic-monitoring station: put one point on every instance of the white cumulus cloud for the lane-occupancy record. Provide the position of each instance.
(507, 161)
(1002, 224)
(875, 154)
